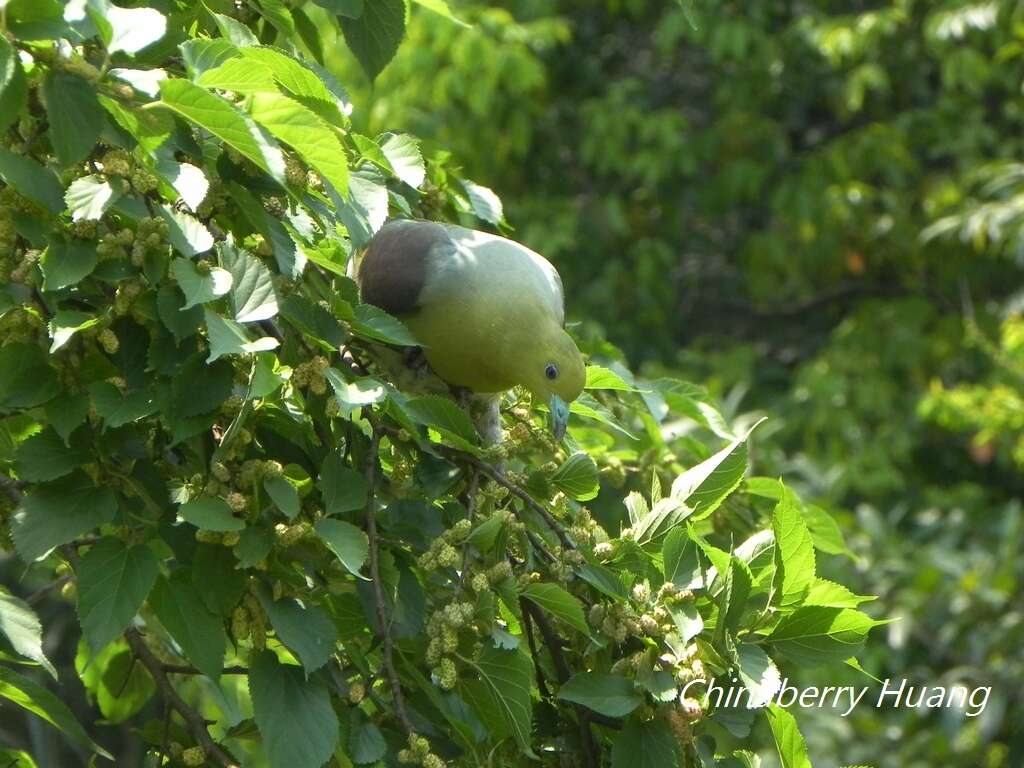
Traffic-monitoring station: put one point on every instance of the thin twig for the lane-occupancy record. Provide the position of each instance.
(43, 591)
(502, 479)
(193, 720)
(383, 616)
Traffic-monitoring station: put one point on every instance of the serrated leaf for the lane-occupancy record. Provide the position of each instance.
(306, 630)
(343, 489)
(252, 287)
(66, 413)
(75, 115)
(13, 86)
(679, 559)
(499, 693)
(240, 75)
(210, 513)
(32, 180)
(187, 180)
(374, 36)
(485, 204)
(29, 695)
(89, 197)
(117, 408)
(604, 378)
(705, 486)
(349, 544)
(44, 457)
(26, 378)
(687, 620)
(578, 477)
(227, 337)
(442, 8)
(306, 132)
(283, 494)
(815, 634)
(20, 625)
(559, 603)
(186, 233)
(185, 616)
(794, 554)
(402, 152)
(56, 513)
(67, 263)
(113, 581)
(305, 82)
(791, 746)
(758, 673)
(365, 209)
(200, 287)
(218, 116)
(293, 713)
(647, 744)
(377, 325)
(443, 416)
(828, 593)
(610, 695)
(65, 323)
(355, 394)
(133, 29)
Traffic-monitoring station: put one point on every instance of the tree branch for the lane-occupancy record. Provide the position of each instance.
(185, 669)
(383, 615)
(195, 723)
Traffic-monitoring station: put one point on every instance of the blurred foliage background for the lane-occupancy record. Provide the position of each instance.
(818, 208)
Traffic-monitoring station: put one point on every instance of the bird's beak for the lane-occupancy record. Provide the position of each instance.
(558, 414)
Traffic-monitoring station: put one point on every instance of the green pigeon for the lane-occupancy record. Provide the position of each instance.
(488, 312)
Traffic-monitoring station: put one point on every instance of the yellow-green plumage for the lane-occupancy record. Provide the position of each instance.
(488, 311)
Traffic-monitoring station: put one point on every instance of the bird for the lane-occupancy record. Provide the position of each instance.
(488, 312)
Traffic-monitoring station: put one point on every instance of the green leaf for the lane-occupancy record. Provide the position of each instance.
(186, 233)
(442, 8)
(65, 323)
(240, 75)
(366, 743)
(44, 457)
(219, 584)
(355, 394)
(604, 378)
(183, 613)
(559, 603)
(227, 337)
(20, 625)
(814, 634)
(197, 286)
(293, 714)
(32, 180)
(113, 581)
(375, 324)
(89, 197)
(705, 486)
(644, 745)
(277, 14)
(349, 543)
(218, 116)
(791, 746)
(687, 619)
(308, 632)
(609, 695)
(148, 127)
(123, 686)
(828, 593)
(67, 263)
(253, 546)
(351, 8)
(375, 35)
(252, 288)
(210, 513)
(733, 598)
(181, 322)
(283, 494)
(343, 488)
(201, 54)
(402, 152)
(10, 758)
(133, 29)
(365, 209)
(578, 477)
(235, 31)
(305, 132)
(758, 673)
(443, 416)
(310, 86)
(187, 180)
(39, 701)
(75, 115)
(13, 86)
(485, 204)
(55, 513)
(499, 693)
(825, 531)
(794, 554)
(679, 559)
(26, 378)
(117, 409)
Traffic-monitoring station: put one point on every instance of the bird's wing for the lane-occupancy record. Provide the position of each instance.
(398, 263)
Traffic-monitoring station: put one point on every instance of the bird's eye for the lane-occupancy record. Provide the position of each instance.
(551, 371)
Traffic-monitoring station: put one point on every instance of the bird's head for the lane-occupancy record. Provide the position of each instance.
(555, 373)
